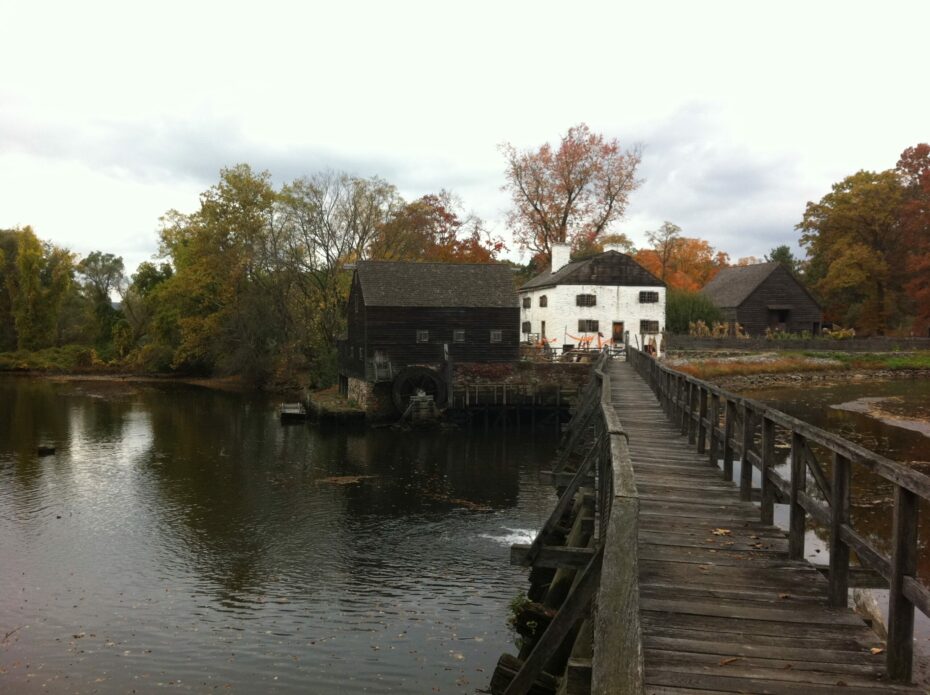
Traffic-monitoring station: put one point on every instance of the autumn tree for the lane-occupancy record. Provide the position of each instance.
(587, 246)
(580, 187)
(330, 219)
(683, 263)
(432, 228)
(913, 169)
(854, 245)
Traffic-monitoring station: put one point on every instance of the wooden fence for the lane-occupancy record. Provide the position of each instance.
(724, 425)
(597, 624)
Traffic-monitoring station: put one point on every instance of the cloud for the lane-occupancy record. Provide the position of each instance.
(742, 200)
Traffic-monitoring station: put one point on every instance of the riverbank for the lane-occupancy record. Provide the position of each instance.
(740, 371)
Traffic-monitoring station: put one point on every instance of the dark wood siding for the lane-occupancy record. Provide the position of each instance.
(353, 351)
(393, 331)
(782, 291)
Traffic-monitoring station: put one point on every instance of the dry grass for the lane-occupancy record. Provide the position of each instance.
(716, 369)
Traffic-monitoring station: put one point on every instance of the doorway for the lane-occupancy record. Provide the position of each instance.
(616, 334)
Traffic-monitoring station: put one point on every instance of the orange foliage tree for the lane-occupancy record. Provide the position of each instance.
(684, 263)
(430, 229)
(579, 188)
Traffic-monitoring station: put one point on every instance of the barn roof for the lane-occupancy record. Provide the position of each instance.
(732, 286)
(608, 268)
(402, 283)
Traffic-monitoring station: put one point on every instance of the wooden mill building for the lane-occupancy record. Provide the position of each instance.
(406, 322)
(764, 295)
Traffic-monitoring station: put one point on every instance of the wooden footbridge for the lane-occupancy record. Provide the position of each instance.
(660, 571)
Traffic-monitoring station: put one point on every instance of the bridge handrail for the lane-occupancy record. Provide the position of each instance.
(722, 423)
(617, 664)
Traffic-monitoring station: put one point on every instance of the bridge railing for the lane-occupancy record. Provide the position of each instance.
(600, 613)
(724, 425)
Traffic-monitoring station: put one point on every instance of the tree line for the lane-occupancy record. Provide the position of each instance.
(252, 282)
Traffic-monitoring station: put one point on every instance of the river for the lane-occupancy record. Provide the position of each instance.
(182, 537)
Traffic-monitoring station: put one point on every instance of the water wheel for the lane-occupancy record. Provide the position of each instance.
(413, 381)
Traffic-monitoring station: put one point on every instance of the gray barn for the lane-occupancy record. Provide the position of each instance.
(765, 295)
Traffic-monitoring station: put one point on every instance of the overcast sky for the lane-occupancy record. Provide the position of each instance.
(113, 113)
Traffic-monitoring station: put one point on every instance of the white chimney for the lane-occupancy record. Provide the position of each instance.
(561, 255)
(614, 247)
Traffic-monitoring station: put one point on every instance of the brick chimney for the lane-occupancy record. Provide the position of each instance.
(561, 255)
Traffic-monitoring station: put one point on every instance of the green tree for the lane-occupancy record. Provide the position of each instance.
(683, 307)
(37, 284)
(103, 275)
(782, 254)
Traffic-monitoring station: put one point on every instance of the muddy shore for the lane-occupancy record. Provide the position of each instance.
(750, 382)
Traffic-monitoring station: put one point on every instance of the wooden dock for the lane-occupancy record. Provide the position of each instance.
(722, 606)
(660, 571)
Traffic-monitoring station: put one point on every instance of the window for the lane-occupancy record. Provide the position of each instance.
(422, 336)
(544, 301)
(648, 297)
(587, 325)
(648, 326)
(458, 335)
(496, 336)
(527, 302)
(585, 300)
(527, 328)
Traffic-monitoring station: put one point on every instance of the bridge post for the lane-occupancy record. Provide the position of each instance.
(767, 507)
(684, 403)
(839, 517)
(702, 421)
(728, 424)
(745, 470)
(900, 655)
(714, 418)
(692, 399)
(798, 483)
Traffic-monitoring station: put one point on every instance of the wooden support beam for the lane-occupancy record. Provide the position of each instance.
(839, 517)
(767, 505)
(702, 421)
(728, 430)
(550, 556)
(900, 652)
(745, 473)
(796, 522)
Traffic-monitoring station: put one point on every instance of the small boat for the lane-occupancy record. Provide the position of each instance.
(292, 412)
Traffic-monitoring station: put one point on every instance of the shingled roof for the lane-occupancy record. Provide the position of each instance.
(732, 286)
(608, 268)
(402, 283)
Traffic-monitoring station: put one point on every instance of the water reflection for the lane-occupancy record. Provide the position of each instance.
(185, 534)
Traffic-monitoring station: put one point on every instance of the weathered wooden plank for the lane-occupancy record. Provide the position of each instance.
(551, 556)
(618, 652)
(904, 564)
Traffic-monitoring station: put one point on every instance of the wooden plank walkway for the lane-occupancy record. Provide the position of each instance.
(723, 609)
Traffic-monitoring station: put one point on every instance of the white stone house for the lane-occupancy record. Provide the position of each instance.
(605, 299)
